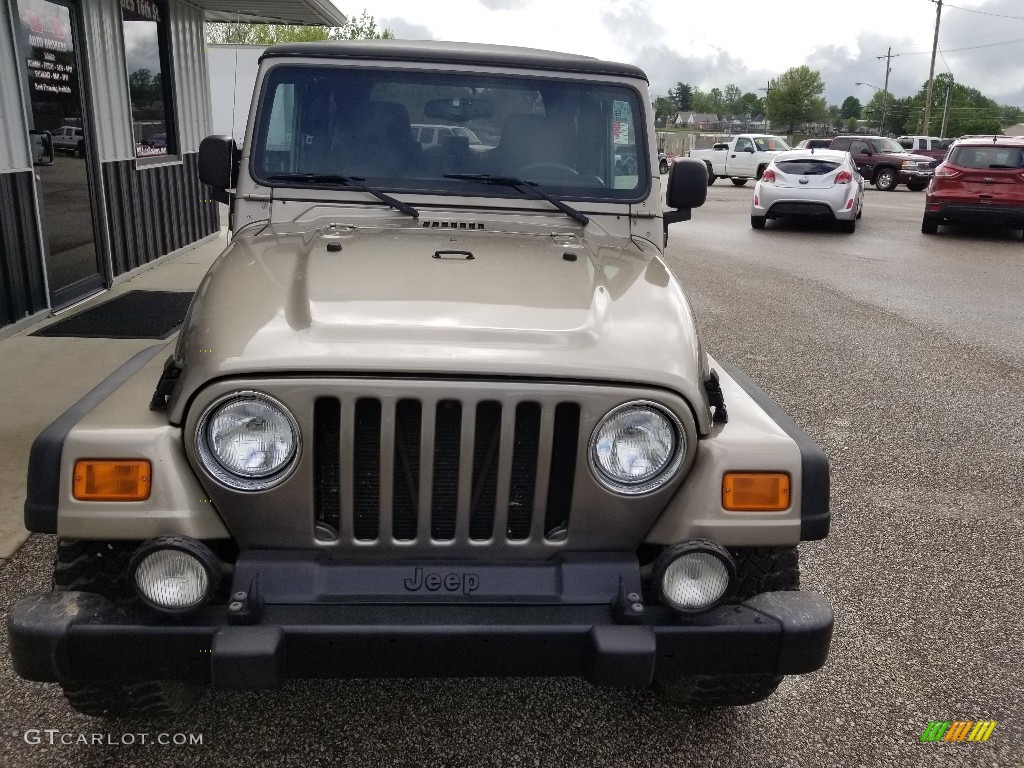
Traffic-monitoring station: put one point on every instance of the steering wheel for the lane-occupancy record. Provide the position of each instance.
(560, 169)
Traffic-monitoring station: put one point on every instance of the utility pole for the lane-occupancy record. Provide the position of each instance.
(931, 72)
(945, 111)
(885, 91)
(767, 93)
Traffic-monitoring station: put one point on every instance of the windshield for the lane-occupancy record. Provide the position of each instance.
(414, 131)
(888, 145)
(770, 144)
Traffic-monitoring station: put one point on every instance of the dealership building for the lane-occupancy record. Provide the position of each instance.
(103, 104)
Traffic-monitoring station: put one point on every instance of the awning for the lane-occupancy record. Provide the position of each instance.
(313, 12)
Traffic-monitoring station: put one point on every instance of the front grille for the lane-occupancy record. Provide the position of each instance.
(444, 470)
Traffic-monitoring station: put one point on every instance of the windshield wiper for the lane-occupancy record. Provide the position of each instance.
(512, 181)
(345, 181)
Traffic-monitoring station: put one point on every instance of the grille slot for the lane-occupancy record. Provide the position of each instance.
(366, 461)
(495, 470)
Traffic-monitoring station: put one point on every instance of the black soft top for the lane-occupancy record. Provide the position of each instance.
(436, 52)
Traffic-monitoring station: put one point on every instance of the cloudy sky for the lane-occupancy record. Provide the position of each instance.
(744, 42)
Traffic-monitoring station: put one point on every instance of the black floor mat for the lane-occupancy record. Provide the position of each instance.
(132, 315)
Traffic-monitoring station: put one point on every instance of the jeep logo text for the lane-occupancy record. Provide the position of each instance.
(466, 583)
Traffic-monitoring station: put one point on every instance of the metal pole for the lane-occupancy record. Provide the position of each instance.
(945, 111)
(885, 91)
(931, 72)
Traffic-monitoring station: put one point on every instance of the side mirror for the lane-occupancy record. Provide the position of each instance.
(687, 189)
(218, 164)
(749, 149)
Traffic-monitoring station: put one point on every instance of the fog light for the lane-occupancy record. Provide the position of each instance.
(694, 576)
(174, 574)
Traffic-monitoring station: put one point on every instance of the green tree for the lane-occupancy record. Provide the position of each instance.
(363, 27)
(716, 101)
(796, 98)
(879, 106)
(701, 101)
(664, 108)
(140, 86)
(851, 107)
(682, 97)
(835, 116)
(731, 100)
(750, 105)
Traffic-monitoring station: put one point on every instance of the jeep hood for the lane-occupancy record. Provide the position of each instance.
(435, 302)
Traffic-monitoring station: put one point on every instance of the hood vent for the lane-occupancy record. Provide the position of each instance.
(452, 225)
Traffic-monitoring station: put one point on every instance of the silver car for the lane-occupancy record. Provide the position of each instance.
(813, 183)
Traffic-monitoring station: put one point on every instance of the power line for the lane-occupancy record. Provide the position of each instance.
(985, 13)
(971, 48)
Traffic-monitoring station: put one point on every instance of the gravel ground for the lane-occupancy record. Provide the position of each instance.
(867, 340)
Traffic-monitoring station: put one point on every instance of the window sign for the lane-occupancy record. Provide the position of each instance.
(147, 56)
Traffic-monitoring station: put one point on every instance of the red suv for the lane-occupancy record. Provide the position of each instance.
(980, 181)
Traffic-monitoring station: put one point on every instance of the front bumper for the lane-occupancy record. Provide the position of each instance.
(63, 636)
(919, 177)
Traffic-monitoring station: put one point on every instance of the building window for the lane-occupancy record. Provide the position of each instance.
(148, 56)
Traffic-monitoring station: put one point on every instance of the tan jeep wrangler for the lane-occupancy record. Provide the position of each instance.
(433, 412)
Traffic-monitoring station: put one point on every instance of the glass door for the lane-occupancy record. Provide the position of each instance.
(52, 78)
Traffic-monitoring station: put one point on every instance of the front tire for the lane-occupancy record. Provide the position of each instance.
(886, 180)
(739, 182)
(716, 690)
(101, 567)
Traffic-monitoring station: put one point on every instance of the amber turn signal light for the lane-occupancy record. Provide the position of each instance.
(755, 491)
(112, 480)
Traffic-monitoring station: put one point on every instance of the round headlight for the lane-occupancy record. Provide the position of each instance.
(694, 576)
(175, 574)
(248, 441)
(637, 448)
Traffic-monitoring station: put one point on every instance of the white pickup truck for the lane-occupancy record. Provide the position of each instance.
(745, 157)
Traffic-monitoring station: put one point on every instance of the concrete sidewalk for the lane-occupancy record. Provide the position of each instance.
(43, 376)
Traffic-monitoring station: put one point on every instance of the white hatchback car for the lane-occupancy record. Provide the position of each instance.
(812, 183)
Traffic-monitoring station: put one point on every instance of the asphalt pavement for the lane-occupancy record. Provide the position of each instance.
(903, 356)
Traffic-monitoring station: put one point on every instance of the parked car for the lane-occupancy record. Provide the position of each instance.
(743, 158)
(69, 139)
(814, 144)
(431, 137)
(809, 183)
(156, 141)
(981, 181)
(930, 146)
(885, 163)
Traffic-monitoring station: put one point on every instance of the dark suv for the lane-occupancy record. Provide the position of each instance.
(885, 163)
(981, 181)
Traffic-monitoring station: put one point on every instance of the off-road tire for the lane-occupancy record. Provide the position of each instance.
(101, 567)
(758, 569)
(765, 569)
(739, 182)
(929, 225)
(153, 698)
(886, 180)
(717, 690)
(758, 222)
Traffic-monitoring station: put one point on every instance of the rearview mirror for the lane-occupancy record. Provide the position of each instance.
(458, 109)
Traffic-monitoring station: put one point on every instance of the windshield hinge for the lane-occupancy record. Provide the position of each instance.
(715, 397)
(168, 378)
(256, 197)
